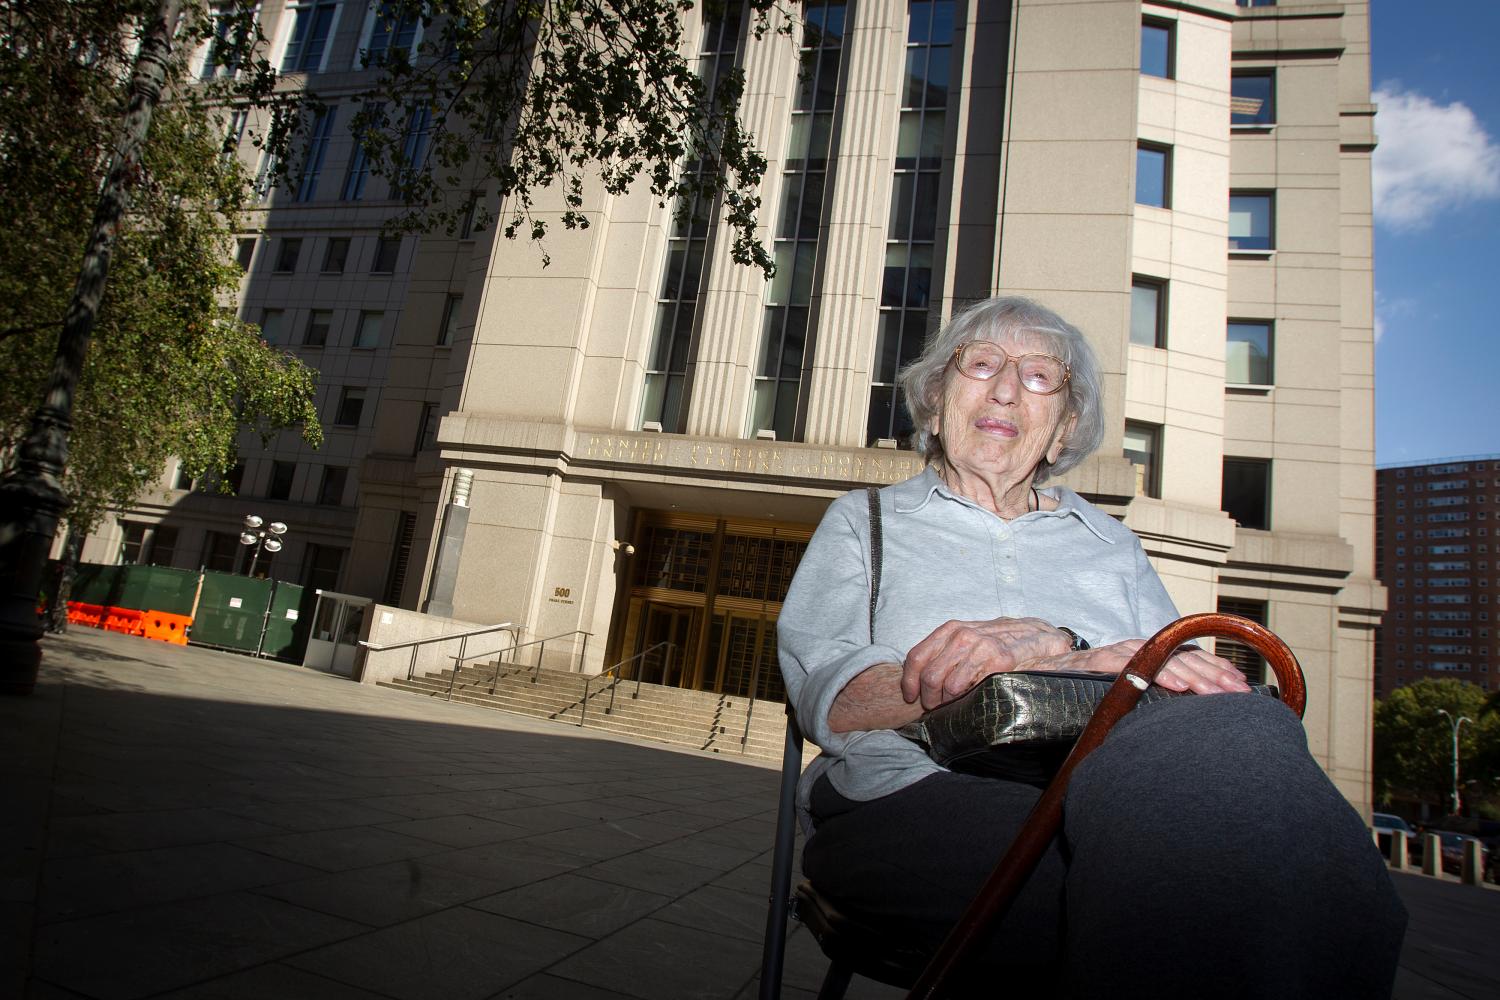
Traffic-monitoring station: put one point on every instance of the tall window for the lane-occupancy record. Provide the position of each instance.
(288, 252)
(1248, 352)
(368, 334)
(1247, 491)
(1143, 449)
(336, 256)
(321, 565)
(351, 406)
(786, 331)
(414, 147)
(1252, 220)
(232, 27)
(221, 550)
(317, 148)
(319, 322)
(1153, 175)
(687, 249)
(1148, 311)
(452, 307)
(359, 161)
(395, 578)
(906, 288)
(387, 250)
(244, 252)
(1252, 97)
(234, 134)
(1158, 48)
(312, 27)
(391, 29)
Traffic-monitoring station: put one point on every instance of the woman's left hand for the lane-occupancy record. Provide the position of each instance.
(1189, 669)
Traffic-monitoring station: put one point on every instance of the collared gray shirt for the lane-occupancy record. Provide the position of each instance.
(944, 558)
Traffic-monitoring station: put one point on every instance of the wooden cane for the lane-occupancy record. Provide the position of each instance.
(1042, 824)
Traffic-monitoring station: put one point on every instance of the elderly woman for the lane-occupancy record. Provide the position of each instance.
(1202, 846)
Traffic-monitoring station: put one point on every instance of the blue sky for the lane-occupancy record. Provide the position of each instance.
(1437, 229)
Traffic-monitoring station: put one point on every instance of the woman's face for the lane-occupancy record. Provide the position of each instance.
(997, 429)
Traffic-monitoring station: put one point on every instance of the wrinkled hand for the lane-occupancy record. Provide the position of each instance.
(958, 655)
(1189, 669)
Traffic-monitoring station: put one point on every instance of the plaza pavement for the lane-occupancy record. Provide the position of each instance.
(185, 823)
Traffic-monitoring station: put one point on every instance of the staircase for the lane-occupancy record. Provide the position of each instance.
(701, 720)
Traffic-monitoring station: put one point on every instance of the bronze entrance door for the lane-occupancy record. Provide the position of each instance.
(712, 587)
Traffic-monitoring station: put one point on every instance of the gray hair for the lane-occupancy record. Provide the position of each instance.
(922, 382)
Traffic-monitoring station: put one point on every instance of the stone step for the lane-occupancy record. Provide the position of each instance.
(701, 720)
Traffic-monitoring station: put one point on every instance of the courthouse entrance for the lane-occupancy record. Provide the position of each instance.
(712, 588)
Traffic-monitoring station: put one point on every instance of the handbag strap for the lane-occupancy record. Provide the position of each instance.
(876, 544)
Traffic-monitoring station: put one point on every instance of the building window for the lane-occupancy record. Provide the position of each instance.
(1252, 220)
(1153, 174)
(336, 256)
(414, 148)
(232, 27)
(321, 565)
(359, 161)
(387, 250)
(312, 27)
(427, 425)
(319, 321)
(390, 27)
(787, 331)
(1158, 47)
(1247, 491)
(665, 389)
(368, 334)
(317, 149)
(451, 310)
(1248, 353)
(280, 486)
(1255, 3)
(351, 406)
(331, 489)
(273, 325)
(1143, 449)
(288, 251)
(395, 580)
(1249, 662)
(182, 481)
(912, 225)
(221, 551)
(132, 543)
(1148, 311)
(1252, 97)
(244, 252)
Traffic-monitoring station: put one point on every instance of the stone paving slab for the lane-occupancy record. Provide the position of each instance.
(198, 825)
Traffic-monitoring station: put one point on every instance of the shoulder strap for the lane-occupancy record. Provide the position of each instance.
(876, 544)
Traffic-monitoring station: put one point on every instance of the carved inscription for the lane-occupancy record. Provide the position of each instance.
(754, 459)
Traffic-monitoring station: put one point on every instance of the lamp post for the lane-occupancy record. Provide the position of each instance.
(262, 536)
(1456, 724)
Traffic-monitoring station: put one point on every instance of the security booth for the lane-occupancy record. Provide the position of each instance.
(334, 642)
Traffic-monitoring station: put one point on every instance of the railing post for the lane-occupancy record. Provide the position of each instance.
(541, 651)
(453, 678)
(583, 651)
(583, 713)
(612, 688)
(411, 668)
(749, 712)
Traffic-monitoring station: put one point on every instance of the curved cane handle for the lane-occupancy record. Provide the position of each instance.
(1046, 816)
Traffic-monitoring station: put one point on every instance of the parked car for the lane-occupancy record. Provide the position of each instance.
(1453, 851)
(1385, 825)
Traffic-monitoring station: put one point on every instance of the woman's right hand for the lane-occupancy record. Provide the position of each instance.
(958, 655)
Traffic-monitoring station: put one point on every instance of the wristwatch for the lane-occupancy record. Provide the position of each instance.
(1079, 642)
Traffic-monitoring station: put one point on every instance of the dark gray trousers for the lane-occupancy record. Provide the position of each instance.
(1203, 853)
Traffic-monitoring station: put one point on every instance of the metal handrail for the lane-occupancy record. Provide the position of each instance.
(463, 642)
(536, 672)
(615, 670)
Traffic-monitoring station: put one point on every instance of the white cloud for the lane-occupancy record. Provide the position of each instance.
(1432, 158)
(1391, 312)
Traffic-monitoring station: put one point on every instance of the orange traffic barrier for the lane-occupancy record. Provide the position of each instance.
(166, 627)
(91, 615)
(124, 620)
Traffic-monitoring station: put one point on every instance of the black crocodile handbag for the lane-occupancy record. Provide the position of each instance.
(1020, 725)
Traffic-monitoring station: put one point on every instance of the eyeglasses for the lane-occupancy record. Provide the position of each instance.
(1040, 373)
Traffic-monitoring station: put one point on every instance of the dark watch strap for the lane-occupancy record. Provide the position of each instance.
(1079, 642)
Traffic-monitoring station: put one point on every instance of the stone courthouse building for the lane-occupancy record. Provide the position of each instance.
(653, 431)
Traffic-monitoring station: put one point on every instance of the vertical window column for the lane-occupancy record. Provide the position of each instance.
(687, 250)
(912, 228)
(787, 331)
